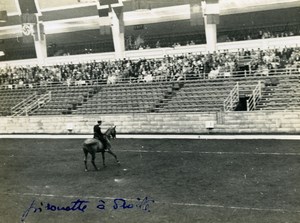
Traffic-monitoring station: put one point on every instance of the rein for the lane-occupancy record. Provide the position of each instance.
(108, 133)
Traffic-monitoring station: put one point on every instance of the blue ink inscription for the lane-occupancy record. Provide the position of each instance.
(101, 205)
(78, 205)
(121, 203)
(144, 204)
(82, 205)
(31, 207)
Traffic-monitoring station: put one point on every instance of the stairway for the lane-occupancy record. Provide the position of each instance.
(169, 94)
(31, 103)
(282, 96)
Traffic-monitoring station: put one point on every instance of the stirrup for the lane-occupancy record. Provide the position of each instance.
(104, 148)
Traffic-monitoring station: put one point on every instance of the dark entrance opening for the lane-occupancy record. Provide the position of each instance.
(242, 105)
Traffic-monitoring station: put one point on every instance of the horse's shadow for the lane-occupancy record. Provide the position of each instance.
(93, 146)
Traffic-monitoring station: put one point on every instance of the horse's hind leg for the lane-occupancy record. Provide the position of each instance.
(93, 160)
(114, 155)
(85, 158)
(103, 158)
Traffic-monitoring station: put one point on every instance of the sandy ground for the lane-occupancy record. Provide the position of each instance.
(159, 180)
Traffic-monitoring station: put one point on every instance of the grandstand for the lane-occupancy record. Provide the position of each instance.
(191, 85)
(195, 62)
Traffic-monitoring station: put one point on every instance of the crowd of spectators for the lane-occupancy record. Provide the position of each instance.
(147, 42)
(142, 42)
(263, 33)
(217, 64)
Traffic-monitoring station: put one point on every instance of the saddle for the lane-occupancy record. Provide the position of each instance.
(96, 141)
(91, 141)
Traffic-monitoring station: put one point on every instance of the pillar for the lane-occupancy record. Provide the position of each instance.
(40, 42)
(117, 25)
(211, 14)
(211, 36)
(41, 51)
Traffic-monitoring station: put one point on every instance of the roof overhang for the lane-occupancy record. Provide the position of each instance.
(84, 16)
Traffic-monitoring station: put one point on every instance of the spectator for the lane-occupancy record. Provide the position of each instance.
(170, 67)
(157, 45)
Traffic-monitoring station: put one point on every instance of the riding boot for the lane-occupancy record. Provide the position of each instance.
(108, 145)
(104, 144)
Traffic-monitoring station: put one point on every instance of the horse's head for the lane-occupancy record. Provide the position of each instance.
(111, 132)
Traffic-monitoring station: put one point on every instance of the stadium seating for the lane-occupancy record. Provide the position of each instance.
(198, 96)
(120, 98)
(64, 99)
(177, 84)
(11, 97)
(280, 92)
(284, 96)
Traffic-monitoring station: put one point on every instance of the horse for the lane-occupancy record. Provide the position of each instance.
(93, 146)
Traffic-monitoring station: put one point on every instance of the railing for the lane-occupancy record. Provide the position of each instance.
(24, 102)
(282, 42)
(20, 106)
(233, 98)
(255, 97)
(27, 106)
(199, 77)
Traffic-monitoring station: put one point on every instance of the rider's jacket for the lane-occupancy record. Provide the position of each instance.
(97, 132)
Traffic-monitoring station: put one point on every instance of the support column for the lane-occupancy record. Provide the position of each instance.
(40, 42)
(41, 51)
(211, 36)
(117, 27)
(211, 14)
(33, 30)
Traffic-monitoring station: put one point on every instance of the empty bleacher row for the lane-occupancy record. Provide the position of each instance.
(10, 98)
(164, 96)
(208, 96)
(135, 97)
(64, 99)
(198, 96)
(284, 96)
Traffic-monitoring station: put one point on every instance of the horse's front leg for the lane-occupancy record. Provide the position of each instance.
(114, 155)
(85, 158)
(103, 158)
(93, 160)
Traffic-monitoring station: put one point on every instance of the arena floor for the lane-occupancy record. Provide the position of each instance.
(159, 180)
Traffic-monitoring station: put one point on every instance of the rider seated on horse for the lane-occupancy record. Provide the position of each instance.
(98, 135)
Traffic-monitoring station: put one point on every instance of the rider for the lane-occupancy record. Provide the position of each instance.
(98, 135)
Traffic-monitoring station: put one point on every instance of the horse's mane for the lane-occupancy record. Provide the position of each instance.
(108, 131)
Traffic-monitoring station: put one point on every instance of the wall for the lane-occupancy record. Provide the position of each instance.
(276, 17)
(224, 122)
(292, 41)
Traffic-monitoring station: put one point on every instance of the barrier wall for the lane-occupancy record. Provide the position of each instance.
(292, 41)
(194, 123)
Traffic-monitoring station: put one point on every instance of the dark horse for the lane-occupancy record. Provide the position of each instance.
(94, 146)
